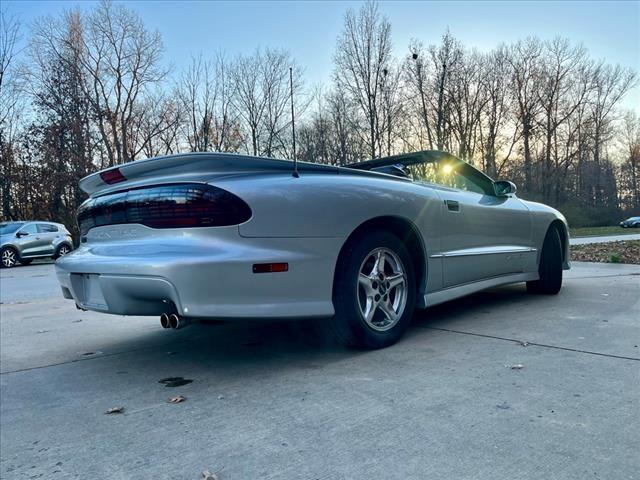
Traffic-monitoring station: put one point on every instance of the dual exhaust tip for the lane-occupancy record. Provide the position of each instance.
(171, 320)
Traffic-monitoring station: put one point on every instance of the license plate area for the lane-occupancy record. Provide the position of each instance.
(88, 291)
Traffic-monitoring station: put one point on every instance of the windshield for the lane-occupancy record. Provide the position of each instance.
(432, 168)
(6, 228)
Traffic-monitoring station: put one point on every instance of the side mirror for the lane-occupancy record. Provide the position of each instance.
(22, 234)
(504, 188)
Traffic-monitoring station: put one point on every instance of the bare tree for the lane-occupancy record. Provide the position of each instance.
(362, 55)
(564, 84)
(630, 167)
(494, 83)
(262, 96)
(610, 84)
(524, 58)
(122, 59)
(444, 59)
(155, 127)
(467, 101)
(206, 92)
(9, 111)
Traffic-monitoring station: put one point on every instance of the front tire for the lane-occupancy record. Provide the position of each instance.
(374, 291)
(8, 257)
(550, 268)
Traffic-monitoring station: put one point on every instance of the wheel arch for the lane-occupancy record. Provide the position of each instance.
(561, 228)
(410, 236)
(60, 245)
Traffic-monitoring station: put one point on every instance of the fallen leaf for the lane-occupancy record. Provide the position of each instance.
(220, 397)
(113, 410)
(207, 475)
(517, 366)
(504, 406)
(178, 399)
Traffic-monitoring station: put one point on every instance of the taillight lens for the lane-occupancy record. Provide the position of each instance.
(112, 176)
(165, 206)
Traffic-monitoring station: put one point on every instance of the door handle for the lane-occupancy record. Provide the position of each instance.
(452, 205)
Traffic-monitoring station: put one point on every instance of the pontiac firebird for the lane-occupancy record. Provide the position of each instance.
(226, 236)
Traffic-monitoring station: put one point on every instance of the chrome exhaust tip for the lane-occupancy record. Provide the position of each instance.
(177, 322)
(174, 321)
(164, 321)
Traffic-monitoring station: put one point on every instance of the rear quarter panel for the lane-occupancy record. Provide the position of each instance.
(333, 206)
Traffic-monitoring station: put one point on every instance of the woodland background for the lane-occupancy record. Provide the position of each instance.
(94, 92)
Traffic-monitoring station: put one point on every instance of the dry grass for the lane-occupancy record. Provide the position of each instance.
(612, 252)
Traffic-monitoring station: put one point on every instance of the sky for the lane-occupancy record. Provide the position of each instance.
(308, 29)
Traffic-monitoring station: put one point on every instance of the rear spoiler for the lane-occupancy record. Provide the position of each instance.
(188, 167)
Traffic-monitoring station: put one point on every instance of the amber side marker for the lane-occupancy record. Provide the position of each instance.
(270, 267)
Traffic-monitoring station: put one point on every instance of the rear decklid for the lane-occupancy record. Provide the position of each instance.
(188, 167)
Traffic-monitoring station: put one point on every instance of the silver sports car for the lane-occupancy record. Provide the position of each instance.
(225, 236)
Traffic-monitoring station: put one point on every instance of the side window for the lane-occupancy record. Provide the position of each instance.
(31, 229)
(46, 228)
(458, 175)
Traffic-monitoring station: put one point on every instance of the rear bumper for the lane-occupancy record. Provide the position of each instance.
(204, 273)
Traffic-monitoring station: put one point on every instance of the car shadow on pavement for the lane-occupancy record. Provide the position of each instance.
(300, 343)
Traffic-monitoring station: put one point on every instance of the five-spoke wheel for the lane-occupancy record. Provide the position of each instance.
(382, 289)
(374, 290)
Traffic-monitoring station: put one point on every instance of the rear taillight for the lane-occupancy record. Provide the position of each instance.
(165, 206)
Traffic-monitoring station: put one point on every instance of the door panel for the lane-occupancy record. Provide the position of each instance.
(48, 234)
(482, 236)
(29, 244)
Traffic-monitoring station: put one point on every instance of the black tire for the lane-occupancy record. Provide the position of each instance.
(62, 250)
(8, 257)
(26, 261)
(349, 323)
(550, 268)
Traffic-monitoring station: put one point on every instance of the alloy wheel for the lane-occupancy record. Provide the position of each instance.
(63, 251)
(382, 289)
(8, 258)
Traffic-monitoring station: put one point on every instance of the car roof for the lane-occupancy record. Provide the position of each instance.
(9, 222)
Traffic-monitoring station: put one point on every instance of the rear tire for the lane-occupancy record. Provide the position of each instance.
(550, 268)
(373, 305)
(8, 257)
(62, 251)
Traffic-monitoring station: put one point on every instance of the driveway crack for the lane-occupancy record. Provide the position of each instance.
(544, 345)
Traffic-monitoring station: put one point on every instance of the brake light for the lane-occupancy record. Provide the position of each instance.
(112, 176)
(165, 206)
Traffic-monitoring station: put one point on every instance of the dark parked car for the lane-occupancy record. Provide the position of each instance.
(23, 241)
(631, 222)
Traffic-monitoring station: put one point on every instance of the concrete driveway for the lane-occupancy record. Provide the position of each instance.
(281, 401)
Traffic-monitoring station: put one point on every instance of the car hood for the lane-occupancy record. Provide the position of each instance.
(4, 239)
